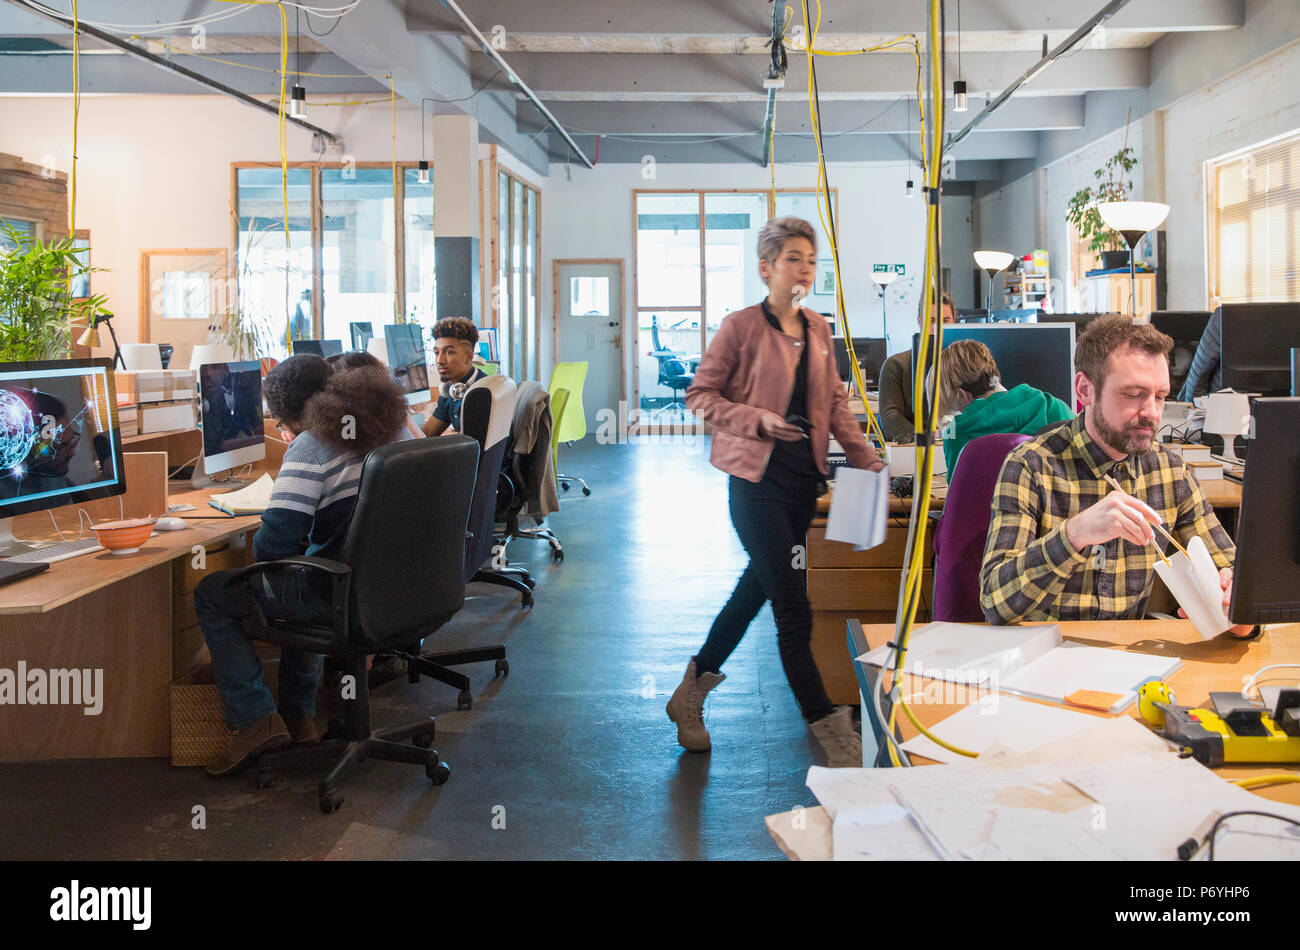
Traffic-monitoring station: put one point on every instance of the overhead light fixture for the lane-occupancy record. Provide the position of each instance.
(910, 188)
(959, 95)
(993, 262)
(423, 176)
(298, 100)
(298, 103)
(1133, 219)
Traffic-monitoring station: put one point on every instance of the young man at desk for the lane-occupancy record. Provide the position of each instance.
(311, 502)
(1062, 545)
(454, 339)
(896, 385)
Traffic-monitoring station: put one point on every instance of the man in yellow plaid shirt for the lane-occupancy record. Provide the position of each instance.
(1062, 544)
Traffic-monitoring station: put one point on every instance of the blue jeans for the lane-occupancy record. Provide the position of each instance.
(290, 595)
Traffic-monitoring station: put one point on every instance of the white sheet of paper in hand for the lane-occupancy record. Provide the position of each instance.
(1195, 585)
(859, 511)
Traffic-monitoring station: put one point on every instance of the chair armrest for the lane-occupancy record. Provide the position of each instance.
(340, 576)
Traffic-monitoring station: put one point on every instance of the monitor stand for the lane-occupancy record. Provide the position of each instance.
(9, 545)
(200, 478)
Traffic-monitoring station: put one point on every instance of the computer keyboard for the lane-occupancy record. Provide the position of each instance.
(57, 552)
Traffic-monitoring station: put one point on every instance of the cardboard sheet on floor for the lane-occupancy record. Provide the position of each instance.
(1011, 723)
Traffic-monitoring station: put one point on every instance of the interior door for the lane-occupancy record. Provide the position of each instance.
(589, 326)
(183, 295)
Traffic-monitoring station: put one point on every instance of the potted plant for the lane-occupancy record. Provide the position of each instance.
(245, 327)
(1082, 211)
(37, 314)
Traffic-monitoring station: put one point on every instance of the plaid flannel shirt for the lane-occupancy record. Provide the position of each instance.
(1031, 572)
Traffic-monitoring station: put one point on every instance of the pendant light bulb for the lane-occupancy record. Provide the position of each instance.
(298, 103)
(910, 188)
(959, 95)
(423, 176)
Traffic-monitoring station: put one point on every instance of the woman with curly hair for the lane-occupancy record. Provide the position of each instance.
(336, 419)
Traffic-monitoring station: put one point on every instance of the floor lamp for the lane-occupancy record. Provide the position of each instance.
(883, 279)
(1133, 219)
(993, 263)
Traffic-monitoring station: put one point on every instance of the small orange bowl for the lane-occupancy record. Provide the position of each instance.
(124, 537)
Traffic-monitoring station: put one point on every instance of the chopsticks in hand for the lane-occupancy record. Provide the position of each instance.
(1159, 527)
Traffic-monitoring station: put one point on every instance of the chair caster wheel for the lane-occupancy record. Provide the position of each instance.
(330, 802)
(557, 557)
(528, 600)
(264, 780)
(586, 491)
(423, 740)
(503, 668)
(532, 584)
(465, 700)
(438, 772)
(564, 486)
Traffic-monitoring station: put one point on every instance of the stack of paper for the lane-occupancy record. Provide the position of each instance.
(859, 511)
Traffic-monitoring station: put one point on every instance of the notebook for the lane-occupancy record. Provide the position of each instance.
(14, 572)
(250, 500)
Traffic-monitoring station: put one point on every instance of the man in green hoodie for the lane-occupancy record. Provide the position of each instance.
(974, 403)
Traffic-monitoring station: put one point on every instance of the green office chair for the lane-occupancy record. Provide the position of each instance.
(573, 425)
(489, 368)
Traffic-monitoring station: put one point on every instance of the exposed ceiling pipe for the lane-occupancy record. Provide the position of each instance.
(487, 48)
(131, 50)
(1101, 16)
(775, 74)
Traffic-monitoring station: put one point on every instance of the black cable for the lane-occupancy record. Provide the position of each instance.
(1232, 814)
(472, 94)
(337, 21)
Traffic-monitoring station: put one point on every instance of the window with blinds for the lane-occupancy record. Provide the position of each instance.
(1254, 223)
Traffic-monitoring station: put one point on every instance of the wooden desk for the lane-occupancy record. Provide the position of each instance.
(130, 615)
(1218, 664)
(843, 583)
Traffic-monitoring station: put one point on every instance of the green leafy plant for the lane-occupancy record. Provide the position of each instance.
(37, 314)
(1111, 186)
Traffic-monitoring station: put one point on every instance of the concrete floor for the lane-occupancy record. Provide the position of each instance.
(572, 752)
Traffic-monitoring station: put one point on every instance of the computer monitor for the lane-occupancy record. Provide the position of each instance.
(1038, 354)
(59, 440)
(1080, 320)
(230, 395)
(1266, 576)
(1256, 346)
(361, 334)
(321, 348)
(1013, 316)
(972, 316)
(1186, 328)
(871, 355)
(406, 358)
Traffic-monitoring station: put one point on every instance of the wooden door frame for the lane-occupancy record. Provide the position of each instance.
(622, 316)
(219, 252)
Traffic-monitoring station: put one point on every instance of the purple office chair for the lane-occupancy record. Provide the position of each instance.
(960, 535)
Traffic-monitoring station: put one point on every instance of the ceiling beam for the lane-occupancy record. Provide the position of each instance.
(748, 18)
(609, 75)
(1036, 114)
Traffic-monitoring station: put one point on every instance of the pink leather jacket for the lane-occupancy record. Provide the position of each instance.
(750, 367)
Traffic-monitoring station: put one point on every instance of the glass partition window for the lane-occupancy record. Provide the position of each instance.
(358, 248)
(668, 250)
(347, 242)
(515, 303)
(417, 243)
(274, 281)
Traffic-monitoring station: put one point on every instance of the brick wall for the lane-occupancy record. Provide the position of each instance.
(26, 194)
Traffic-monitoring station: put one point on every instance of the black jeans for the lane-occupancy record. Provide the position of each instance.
(771, 523)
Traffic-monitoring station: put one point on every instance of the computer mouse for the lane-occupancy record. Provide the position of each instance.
(169, 524)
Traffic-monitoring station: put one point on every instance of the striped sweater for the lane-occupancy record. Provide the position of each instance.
(313, 499)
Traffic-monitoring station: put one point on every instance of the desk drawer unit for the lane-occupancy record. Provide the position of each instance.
(844, 584)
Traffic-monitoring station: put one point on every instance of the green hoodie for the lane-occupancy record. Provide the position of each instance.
(1022, 409)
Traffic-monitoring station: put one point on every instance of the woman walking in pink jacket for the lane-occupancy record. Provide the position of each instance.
(769, 387)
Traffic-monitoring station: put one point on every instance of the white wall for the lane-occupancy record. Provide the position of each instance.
(592, 216)
(1006, 222)
(155, 171)
(1252, 106)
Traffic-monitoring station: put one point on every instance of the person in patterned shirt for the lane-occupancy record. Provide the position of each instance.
(1062, 545)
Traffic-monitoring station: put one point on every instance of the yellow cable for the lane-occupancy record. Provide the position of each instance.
(261, 69)
(392, 97)
(771, 153)
(1277, 778)
(76, 117)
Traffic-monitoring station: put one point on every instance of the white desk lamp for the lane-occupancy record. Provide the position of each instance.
(1133, 219)
(883, 279)
(1228, 414)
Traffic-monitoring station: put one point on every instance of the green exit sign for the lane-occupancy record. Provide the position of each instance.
(880, 268)
(900, 269)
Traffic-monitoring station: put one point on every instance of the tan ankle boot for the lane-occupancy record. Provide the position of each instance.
(686, 708)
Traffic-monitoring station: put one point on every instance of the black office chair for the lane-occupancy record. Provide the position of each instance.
(674, 375)
(396, 581)
(523, 475)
